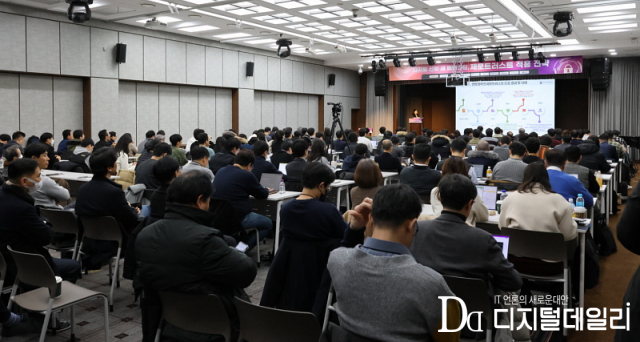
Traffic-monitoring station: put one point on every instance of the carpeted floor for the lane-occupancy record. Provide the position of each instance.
(125, 322)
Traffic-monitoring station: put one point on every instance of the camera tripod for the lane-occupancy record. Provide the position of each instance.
(336, 121)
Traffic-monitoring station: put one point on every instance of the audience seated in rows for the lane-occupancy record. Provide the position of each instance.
(489, 137)
(368, 180)
(148, 152)
(562, 183)
(419, 176)
(566, 142)
(318, 152)
(457, 149)
(48, 193)
(386, 160)
(103, 197)
(195, 258)
(294, 168)
(284, 155)
(585, 176)
(199, 162)
(576, 138)
(123, 151)
(533, 146)
(450, 246)
(441, 145)
(382, 268)
(502, 150)
(592, 157)
(475, 134)
(236, 184)
(479, 211)
(261, 165)
(144, 170)
(512, 169)
(483, 156)
(350, 163)
(225, 157)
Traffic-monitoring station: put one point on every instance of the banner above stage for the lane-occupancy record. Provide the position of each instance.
(552, 66)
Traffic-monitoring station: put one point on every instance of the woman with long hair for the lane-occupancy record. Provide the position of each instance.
(368, 179)
(318, 153)
(123, 149)
(535, 206)
(479, 211)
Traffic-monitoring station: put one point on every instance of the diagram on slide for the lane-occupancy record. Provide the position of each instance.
(510, 105)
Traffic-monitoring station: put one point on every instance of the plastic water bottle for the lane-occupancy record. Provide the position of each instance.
(503, 195)
(439, 158)
(599, 178)
(571, 202)
(489, 173)
(580, 201)
(282, 188)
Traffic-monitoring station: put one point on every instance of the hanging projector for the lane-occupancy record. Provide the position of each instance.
(154, 24)
(79, 10)
(562, 18)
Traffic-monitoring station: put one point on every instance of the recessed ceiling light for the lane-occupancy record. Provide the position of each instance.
(552, 55)
(147, 5)
(193, 29)
(526, 17)
(614, 53)
(166, 20)
(612, 27)
(612, 50)
(232, 35)
(568, 41)
(609, 18)
(594, 9)
(194, 16)
(260, 41)
(546, 14)
(536, 3)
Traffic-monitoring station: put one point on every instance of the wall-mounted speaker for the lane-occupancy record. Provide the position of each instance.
(600, 73)
(249, 69)
(380, 84)
(332, 80)
(121, 53)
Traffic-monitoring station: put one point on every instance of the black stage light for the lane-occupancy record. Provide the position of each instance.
(514, 54)
(396, 63)
(431, 60)
(283, 53)
(563, 26)
(481, 58)
(374, 68)
(382, 64)
(541, 58)
(497, 56)
(412, 61)
(79, 10)
(532, 55)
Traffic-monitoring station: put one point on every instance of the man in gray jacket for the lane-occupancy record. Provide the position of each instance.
(452, 247)
(382, 279)
(49, 194)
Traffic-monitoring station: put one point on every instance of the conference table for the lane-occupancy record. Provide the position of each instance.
(71, 176)
(266, 207)
(389, 176)
(583, 228)
(608, 204)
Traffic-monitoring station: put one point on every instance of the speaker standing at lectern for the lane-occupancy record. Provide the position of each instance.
(415, 113)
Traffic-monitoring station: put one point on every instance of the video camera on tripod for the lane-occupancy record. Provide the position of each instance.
(337, 108)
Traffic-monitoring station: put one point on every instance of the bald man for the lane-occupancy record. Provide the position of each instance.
(483, 156)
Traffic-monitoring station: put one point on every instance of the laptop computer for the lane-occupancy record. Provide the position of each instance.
(374, 143)
(503, 242)
(271, 180)
(283, 168)
(488, 195)
(479, 170)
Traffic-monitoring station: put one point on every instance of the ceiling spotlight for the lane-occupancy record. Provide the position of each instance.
(541, 58)
(497, 56)
(360, 69)
(283, 53)
(341, 48)
(396, 63)
(412, 61)
(311, 50)
(79, 10)
(514, 54)
(154, 24)
(382, 64)
(454, 40)
(563, 26)
(481, 58)
(238, 24)
(492, 37)
(374, 67)
(430, 60)
(532, 55)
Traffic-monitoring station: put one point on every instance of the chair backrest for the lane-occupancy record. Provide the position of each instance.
(536, 245)
(474, 293)
(203, 314)
(103, 228)
(490, 228)
(63, 221)
(34, 270)
(262, 324)
(3, 269)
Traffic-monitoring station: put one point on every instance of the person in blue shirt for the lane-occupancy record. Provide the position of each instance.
(563, 183)
(66, 136)
(339, 144)
(609, 151)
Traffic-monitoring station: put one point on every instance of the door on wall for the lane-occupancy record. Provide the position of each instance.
(358, 119)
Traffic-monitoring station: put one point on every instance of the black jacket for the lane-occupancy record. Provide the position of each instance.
(441, 145)
(351, 162)
(261, 165)
(103, 197)
(294, 174)
(51, 152)
(220, 160)
(21, 227)
(194, 259)
(485, 158)
(101, 144)
(421, 178)
(281, 157)
(593, 158)
(387, 162)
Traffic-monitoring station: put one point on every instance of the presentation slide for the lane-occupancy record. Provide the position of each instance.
(510, 105)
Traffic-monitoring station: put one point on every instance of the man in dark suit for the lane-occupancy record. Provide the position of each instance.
(261, 165)
(103, 197)
(295, 167)
(351, 162)
(386, 161)
(283, 156)
(225, 157)
(609, 151)
(451, 247)
(419, 176)
(104, 139)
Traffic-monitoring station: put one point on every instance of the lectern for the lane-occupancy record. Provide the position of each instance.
(415, 124)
